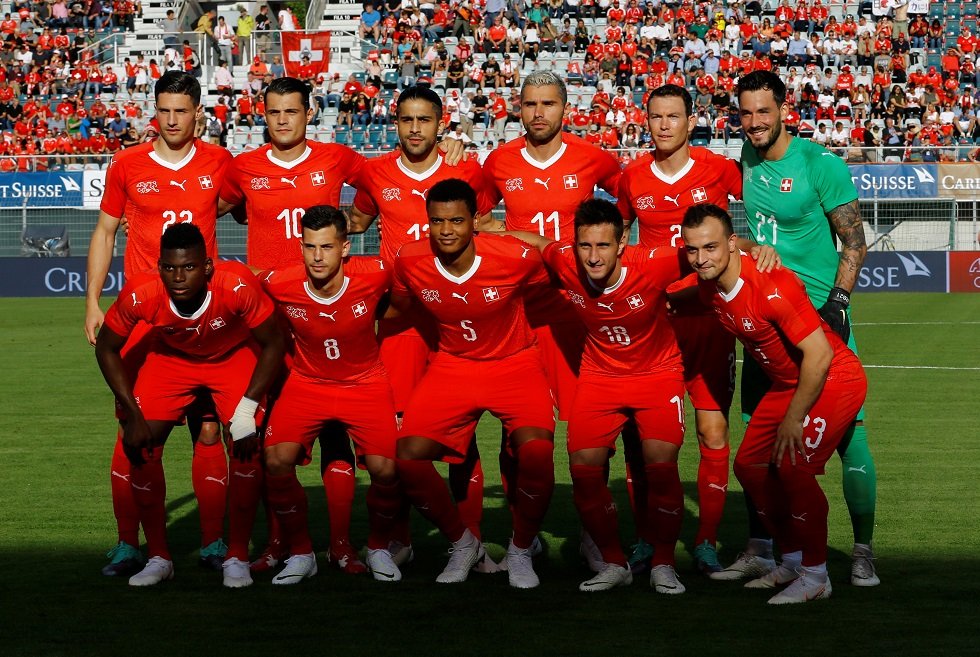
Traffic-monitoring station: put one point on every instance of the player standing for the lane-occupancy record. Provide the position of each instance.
(798, 196)
(205, 318)
(631, 369)
(473, 287)
(172, 179)
(394, 188)
(336, 376)
(818, 387)
(276, 183)
(655, 191)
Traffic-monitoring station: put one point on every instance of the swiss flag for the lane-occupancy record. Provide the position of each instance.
(786, 185)
(316, 45)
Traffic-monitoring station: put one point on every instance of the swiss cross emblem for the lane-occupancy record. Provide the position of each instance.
(217, 323)
(490, 294)
(635, 301)
(699, 195)
(571, 181)
(786, 185)
(205, 182)
(747, 324)
(359, 308)
(317, 178)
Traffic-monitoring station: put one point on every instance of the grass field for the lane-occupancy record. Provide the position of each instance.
(56, 522)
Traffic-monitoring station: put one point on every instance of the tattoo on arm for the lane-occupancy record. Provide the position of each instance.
(847, 225)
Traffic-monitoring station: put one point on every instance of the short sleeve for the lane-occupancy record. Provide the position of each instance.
(255, 306)
(791, 310)
(114, 196)
(231, 189)
(831, 179)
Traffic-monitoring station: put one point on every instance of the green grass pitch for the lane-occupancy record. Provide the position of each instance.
(56, 433)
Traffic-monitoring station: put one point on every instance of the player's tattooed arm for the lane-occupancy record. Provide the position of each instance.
(846, 222)
(487, 224)
(357, 221)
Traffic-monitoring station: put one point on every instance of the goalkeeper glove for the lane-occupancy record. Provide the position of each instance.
(834, 312)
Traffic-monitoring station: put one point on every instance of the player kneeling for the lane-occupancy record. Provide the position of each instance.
(631, 369)
(473, 286)
(818, 388)
(208, 319)
(329, 303)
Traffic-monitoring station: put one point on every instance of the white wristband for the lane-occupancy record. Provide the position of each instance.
(243, 421)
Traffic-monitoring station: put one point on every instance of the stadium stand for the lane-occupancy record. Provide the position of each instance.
(893, 84)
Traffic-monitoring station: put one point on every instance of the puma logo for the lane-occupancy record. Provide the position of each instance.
(222, 481)
(462, 297)
(245, 475)
(287, 512)
(196, 329)
(330, 316)
(529, 496)
(801, 517)
(774, 295)
(717, 487)
(675, 512)
(849, 469)
(145, 488)
(526, 249)
(241, 284)
(290, 181)
(543, 183)
(136, 301)
(416, 192)
(606, 306)
(348, 471)
(672, 199)
(121, 476)
(180, 184)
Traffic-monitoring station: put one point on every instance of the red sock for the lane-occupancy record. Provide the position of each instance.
(429, 494)
(535, 484)
(149, 488)
(123, 504)
(808, 511)
(384, 501)
(763, 488)
(665, 509)
(338, 484)
(597, 509)
(636, 480)
(401, 529)
(287, 503)
(244, 493)
(712, 491)
(209, 474)
(467, 488)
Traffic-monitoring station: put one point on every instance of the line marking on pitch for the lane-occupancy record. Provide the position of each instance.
(909, 367)
(914, 323)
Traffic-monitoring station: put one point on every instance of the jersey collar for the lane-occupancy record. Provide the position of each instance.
(735, 290)
(547, 163)
(173, 166)
(615, 286)
(670, 180)
(330, 300)
(459, 280)
(197, 314)
(419, 177)
(289, 165)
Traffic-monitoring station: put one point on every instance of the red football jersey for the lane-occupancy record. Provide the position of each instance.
(541, 197)
(628, 330)
(480, 315)
(276, 195)
(770, 314)
(658, 202)
(153, 194)
(334, 338)
(390, 189)
(234, 305)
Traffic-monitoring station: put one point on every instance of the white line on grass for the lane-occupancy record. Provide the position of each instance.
(913, 323)
(909, 367)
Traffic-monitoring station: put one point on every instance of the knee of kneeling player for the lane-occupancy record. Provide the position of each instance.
(278, 463)
(381, 469)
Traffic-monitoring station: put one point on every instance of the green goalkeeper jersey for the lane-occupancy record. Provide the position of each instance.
(786, 206)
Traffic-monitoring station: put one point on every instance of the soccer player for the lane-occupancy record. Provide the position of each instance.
(276, 183)
(394, 188)
(172, 179)
(542, 178)
(631, 368)
(209, 321)
(817, 388)
(473, 287)
(655, 191)
(329, 303)
(798, 197)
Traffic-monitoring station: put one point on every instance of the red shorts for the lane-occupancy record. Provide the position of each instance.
(168, 384)
(828, 421)
(138, 345)
(455, 392)
(604, 403)
(405, 355)
(365, 408)
(708, 352)
(561, 345)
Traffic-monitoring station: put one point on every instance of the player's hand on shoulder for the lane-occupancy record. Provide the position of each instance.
(453, 151)
(766, 258)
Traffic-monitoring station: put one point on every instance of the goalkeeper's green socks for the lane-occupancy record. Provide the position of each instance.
(860, 483)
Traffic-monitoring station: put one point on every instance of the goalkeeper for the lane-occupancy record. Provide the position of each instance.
(799, 198)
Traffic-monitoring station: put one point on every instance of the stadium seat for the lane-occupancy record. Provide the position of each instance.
(699, 142)
(969, 9)
(390, 79)
(357, 139)
(952, 10)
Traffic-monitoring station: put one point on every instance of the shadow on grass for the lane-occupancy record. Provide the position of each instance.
(62, 606)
